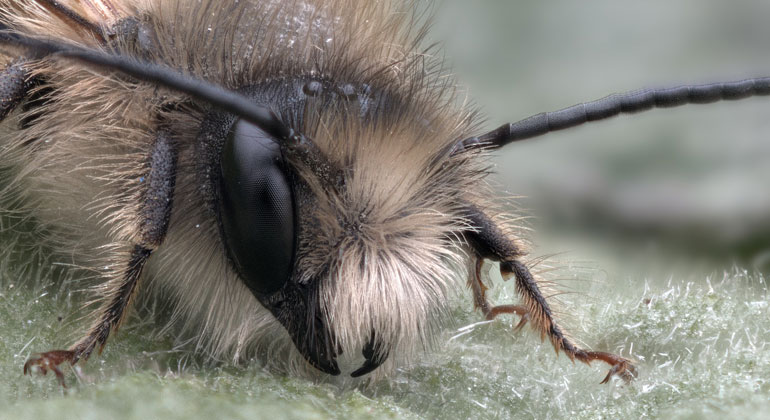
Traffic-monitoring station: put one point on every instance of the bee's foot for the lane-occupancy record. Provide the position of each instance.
(50, 360)
(621, 367)
(521, 311)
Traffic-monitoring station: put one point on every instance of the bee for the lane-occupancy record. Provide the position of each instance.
(300, 178)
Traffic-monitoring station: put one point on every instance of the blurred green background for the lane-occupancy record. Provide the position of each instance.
(689, 180)
(660, 222)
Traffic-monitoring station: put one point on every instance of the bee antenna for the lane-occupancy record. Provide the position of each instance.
(612, 105)
(227, 100)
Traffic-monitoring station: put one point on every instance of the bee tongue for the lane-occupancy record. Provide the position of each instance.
(374, 354)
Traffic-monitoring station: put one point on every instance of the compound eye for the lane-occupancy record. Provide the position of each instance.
(257, 209)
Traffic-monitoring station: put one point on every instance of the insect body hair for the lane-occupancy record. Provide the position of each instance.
(386, 234)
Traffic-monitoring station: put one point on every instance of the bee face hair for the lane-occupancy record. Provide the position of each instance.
(301, 178)
(378, 222)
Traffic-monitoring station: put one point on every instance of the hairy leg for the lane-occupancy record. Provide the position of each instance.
(490, 241)
(481, 303)
(14, 87)
(118, 292)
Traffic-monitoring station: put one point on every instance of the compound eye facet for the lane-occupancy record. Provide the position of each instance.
(257, 209)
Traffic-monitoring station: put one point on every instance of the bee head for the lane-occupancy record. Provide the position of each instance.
(349, 233)
(336, 191)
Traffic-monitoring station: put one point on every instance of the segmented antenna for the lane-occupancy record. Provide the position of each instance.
(612, 105)
(226, 100)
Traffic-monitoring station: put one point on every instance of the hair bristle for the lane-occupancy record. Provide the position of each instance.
(390, 241)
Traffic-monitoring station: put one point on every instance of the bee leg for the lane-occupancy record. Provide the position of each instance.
(481, 303)
(491, 242)
(119, 291)
(543, 320)
(14, 86)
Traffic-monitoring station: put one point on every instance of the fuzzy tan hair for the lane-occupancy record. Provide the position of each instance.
(390, 242)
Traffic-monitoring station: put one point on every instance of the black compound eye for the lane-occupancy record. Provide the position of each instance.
(257, 210)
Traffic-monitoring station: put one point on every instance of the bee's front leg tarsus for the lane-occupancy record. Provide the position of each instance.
(620, 366)
(50, 360)
(491, 312)
(545, 323)
(519, 310)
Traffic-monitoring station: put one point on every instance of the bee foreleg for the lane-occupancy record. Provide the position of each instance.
(119, 291)
(14, 86)
(490, 241)
(481, 302)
